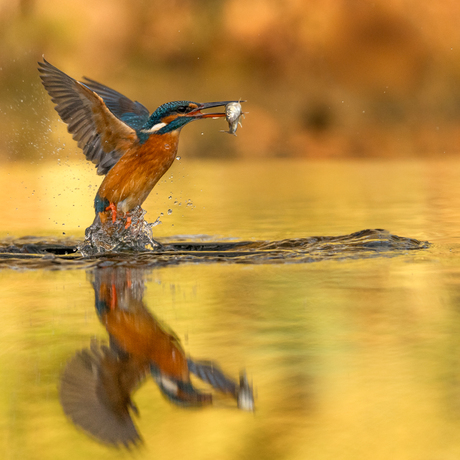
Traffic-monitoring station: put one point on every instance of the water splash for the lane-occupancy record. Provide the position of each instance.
(58, 254)
(101, 238)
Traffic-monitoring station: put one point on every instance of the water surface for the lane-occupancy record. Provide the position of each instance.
(353, 351)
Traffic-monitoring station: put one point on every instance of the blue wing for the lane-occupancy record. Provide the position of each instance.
(134, 114)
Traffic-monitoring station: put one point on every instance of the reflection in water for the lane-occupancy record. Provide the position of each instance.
(96, 392)
(98, 382)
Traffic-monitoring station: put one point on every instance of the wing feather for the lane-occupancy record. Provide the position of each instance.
(98, 129)
(132, 113)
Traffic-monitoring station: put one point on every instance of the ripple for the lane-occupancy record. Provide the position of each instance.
(60, 254)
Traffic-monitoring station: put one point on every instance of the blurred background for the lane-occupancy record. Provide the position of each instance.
(351, 358)
(340, 78)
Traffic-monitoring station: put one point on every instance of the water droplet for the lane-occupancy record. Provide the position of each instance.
(138, 237)
(169, 197)
(177, 158)
(169, 212)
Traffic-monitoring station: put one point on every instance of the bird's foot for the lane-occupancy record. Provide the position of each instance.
(113, 208)
(128, 220)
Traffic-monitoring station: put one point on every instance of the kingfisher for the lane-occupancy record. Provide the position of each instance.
(134, 332)
(99, 381)
(95, 393)
(132, 148)
(137, 334)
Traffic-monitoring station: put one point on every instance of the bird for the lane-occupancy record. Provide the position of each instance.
(132, 148)
(98, 383)
(95, 392)
(135, 333)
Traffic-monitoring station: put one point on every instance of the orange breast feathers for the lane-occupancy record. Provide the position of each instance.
(131, 180)
(139, 334)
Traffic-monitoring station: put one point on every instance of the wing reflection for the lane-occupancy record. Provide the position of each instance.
(98, 382)
(95, 393)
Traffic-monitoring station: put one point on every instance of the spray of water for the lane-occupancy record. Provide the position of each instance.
(101, 238)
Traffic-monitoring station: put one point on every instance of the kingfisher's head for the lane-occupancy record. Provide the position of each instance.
(172, 116)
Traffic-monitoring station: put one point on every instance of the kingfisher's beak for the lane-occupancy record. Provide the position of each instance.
(208, 105)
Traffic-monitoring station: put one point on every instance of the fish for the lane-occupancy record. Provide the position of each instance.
(245, 394)
(233, 113)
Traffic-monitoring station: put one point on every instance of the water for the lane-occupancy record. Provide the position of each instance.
(97, 384)
(101, 250)
(122, 235)
(351, 342)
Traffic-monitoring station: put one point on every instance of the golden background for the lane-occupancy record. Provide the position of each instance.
(352, 358)
(337, 78)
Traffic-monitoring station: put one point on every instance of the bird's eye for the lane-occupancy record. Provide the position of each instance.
(182, 109)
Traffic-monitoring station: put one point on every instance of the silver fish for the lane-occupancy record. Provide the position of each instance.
(233, 113)
(245, 394)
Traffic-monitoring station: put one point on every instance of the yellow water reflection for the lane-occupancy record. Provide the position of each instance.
(351, 359)
(98, 383)
(272, 199)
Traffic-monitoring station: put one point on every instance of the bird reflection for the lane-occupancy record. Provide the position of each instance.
(98, 382)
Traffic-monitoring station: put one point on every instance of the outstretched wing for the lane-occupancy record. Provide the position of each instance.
(134, 114)
(102, 136)
(95, 397)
